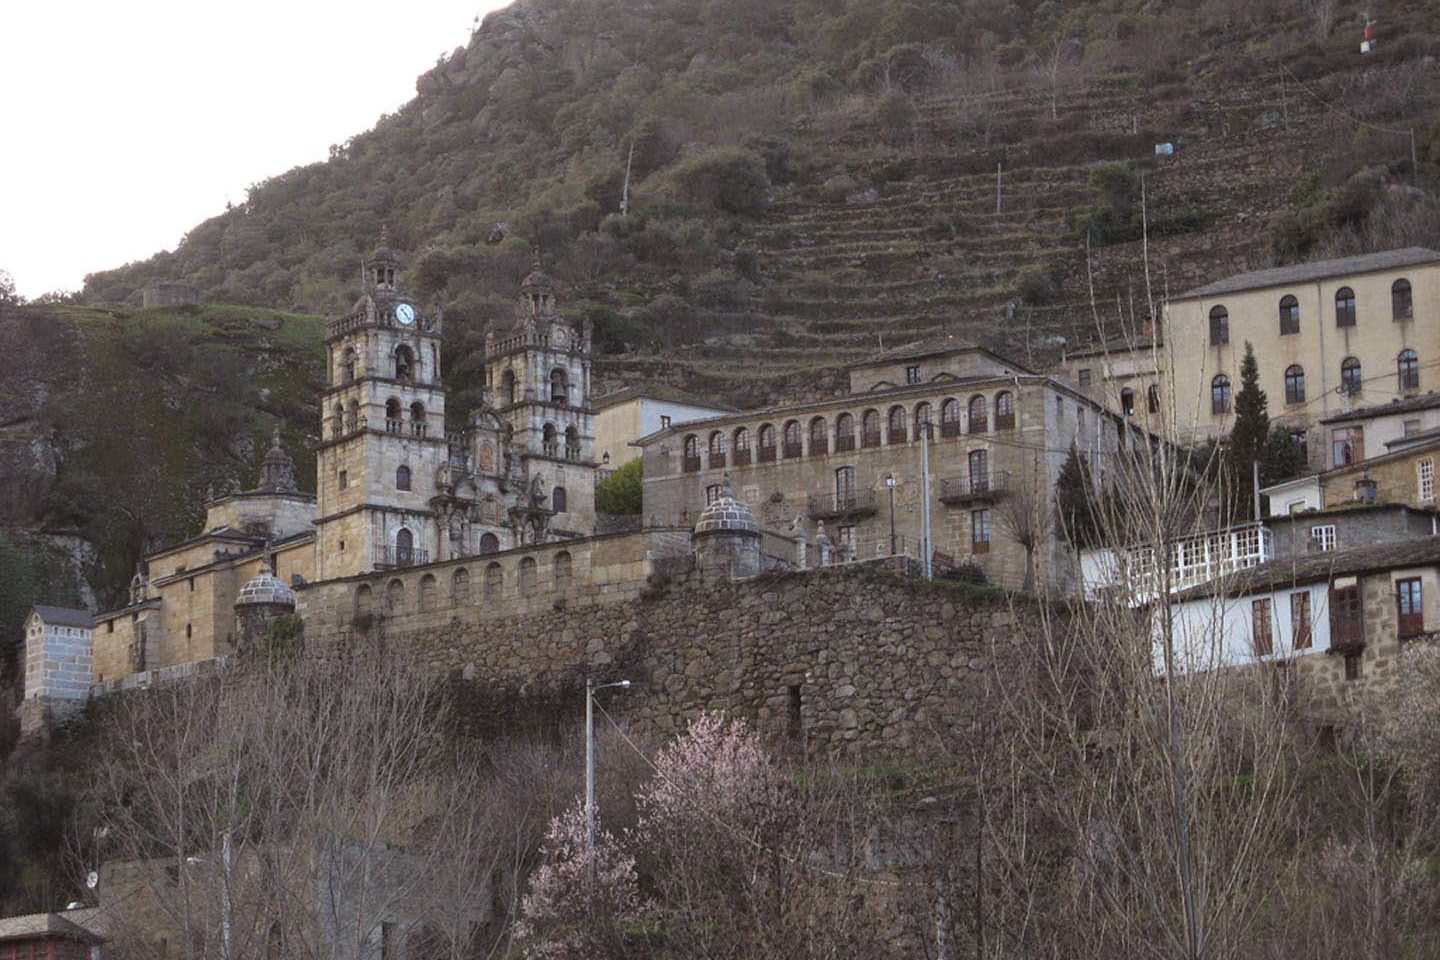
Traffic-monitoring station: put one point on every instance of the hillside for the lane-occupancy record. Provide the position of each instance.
(809, 178)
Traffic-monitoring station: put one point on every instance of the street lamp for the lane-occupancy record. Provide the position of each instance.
(890, 485)
(590, 688)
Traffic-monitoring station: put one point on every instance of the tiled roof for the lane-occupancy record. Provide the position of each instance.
(658, 392)
(1315, 270)
(1426, 401)
(65, 616)
(929, 348)
(1311, 567)
(43, 924)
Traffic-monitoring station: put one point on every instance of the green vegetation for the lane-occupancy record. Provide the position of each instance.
(620, 493)
(1252, 441)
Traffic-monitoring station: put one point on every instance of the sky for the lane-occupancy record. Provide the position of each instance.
(127, 123)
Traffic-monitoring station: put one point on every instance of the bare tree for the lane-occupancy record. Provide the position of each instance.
(1026, 514)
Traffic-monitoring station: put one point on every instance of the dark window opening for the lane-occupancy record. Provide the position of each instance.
(402, 477)
(1402, 305)
(1219, 326)
(1289, 315)
(1344, 307)
(1295, 384)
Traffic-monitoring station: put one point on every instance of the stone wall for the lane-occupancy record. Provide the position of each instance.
(849, 660)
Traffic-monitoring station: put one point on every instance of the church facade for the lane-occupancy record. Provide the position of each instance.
(394, 488)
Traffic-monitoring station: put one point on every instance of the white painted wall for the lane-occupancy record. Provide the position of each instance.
(1215, 632)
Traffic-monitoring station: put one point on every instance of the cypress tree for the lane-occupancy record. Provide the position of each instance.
(1249, 435)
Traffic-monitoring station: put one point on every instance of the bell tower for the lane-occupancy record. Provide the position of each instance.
(538, 381)
(383, 438)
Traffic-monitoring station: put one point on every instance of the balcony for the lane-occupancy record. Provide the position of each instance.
(842, 506)
(394, 426)
(716, 461)
(1004, 421)
(387, 558)
(897, 436)
(742, 457)
(978, 425)
(793, 451)
(844, 442)
(950, 428)
(690, 464)
(418, 428)
(979, 488)
(870, 438)
(819, 446)
(572, 453)
(767, 455)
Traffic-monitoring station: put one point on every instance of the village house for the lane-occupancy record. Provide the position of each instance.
(624, 415)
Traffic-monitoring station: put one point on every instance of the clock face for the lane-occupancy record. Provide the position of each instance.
(405, 314)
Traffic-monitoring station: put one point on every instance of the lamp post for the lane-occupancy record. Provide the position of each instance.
(590, 688)
(890, 485)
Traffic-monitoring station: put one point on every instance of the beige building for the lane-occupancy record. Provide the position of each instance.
(1328, 335)
(1124, 376)
(624, 416)
(851, 471)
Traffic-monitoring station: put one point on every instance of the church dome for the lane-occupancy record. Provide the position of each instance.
(537, 281)
(727, 515)
(265, 588)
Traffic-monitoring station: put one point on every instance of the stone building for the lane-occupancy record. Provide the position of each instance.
(622, 416)
(852, 470)
(1124, 376)
(1404, 475)
(57, 664)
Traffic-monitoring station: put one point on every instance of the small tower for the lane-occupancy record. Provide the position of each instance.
(277, 470)
(260, 602)
(726, 540)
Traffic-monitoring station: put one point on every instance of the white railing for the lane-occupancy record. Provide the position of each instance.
(1191, 562)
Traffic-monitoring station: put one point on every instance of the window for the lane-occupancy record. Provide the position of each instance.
(844, 488)
(417, 412)
(767, 443)
(1220, 395)
(392, 415)
(1347, 446)
(402, 477)
(1301, 635)
(979, 531)
(1347, 616)
(977, 414)
(1425, 478)
(1407, 370)
(347, 364)
(1409, 428)
(1324, 536)
(844, 433)
(507, 386)
(559, 502)
(572, 443)
(1152, 399)
(896, 425)
(712, 493)
(1402, 307)
(489, 543)
(1294, 384)
(559, 387)
(1301, 439)
(689, 451)
(1084, 378)
(404, 547)
(979, 462)
(716, 448)
(1127, 402)
(1344, 307)
(950, 418)
(1004, 410)
(819, 436)
(741, 440)
(344, 479)
(792, 439)
(1261, 638)
(1289, 315)
(1219, 326)
(912, 374)
(922, 418)
(187, 631)
(664, 421)
(1351, 381)
(404, 363)
(870, 428)
(1409, 607)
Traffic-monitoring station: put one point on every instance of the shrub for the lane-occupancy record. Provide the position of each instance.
(894, 114)
(1037, 283)
(731, 179)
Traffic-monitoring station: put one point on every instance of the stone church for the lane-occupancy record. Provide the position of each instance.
(394, 488)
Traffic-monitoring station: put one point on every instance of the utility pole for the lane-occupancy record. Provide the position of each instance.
(225, 858)
(925, 496)
(890, 485)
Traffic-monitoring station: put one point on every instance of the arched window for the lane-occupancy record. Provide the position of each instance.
(337, 422)
(417, 412)
(819, 437)
(922, 418)
(844, 433)
(1004, 410)
(1219, 395)
(950, 418)
(347, 365)
(507, 386)
(1294, 384)
(1344, 307)
(548, 444)
(528, 576)
(558, 501)
(364, 601)
(402, 477)
(352, 416)
(977, 414)
(1407, 366)
(845, 487)
(1351, 380)
(404, 363)
(559, 387)
(572, 443)
(392, 415)
(767, 442)
(489, 543)
(716, 449)
(427, 592)
(395, 596)
(792, 439)
(870, 428)
(1289, 315)
(1127, 402)
(1219, 326)
(1402, 305)
(404, 547)
(460, 587)
(564, 568)
(895, 425)
(494, 580)
(1152, 399)
(740, 442)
